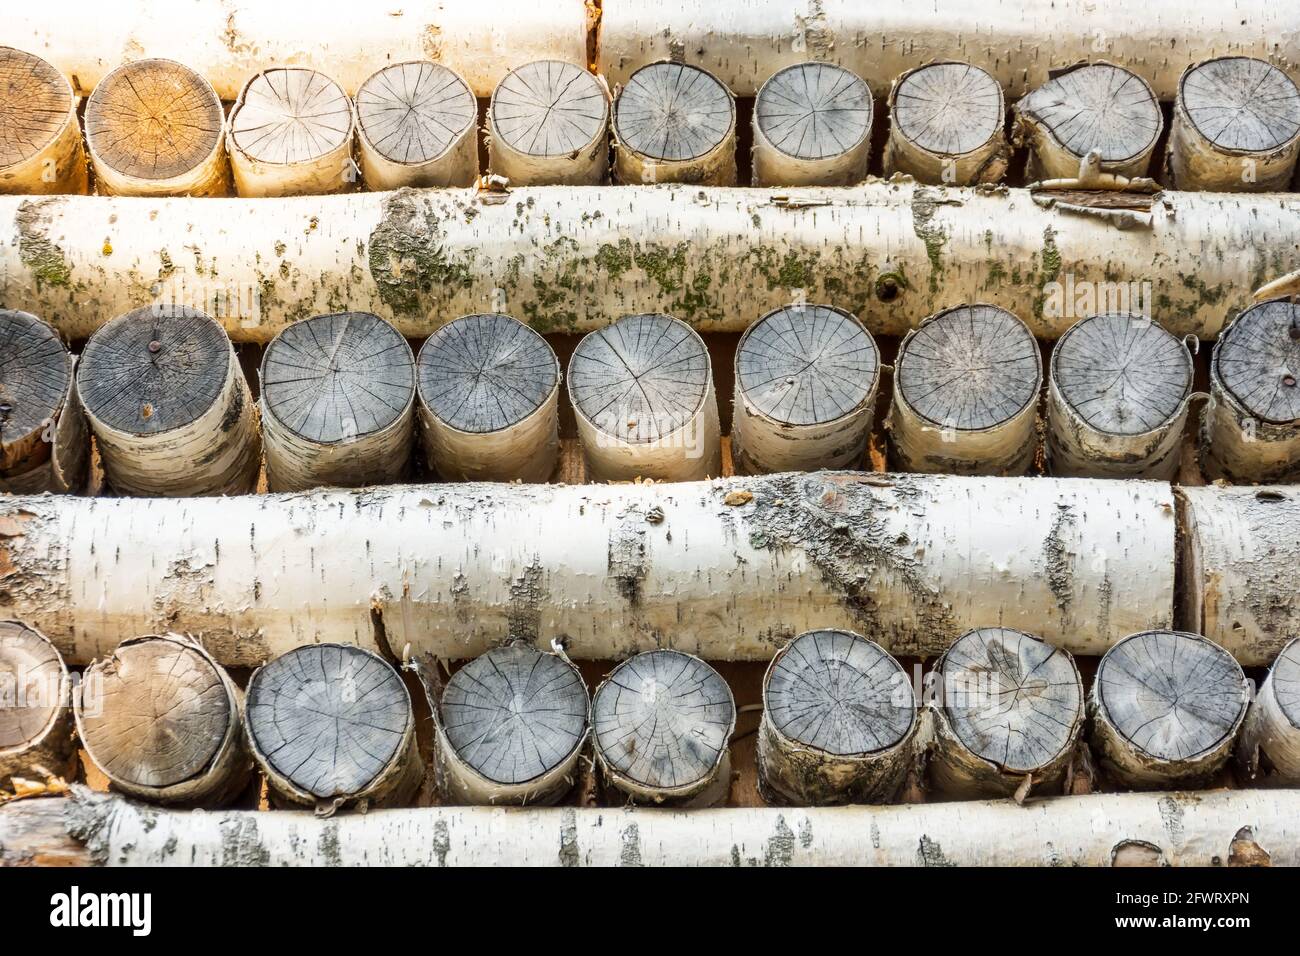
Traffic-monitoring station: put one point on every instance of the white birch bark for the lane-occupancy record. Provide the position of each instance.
(812, 127)
(548, 125)
(36, 726)
(1165, 708)
(40, 139)
(164, 722)
(170, 407)
(417, 125)
(1269, 743)
(1236, 127)
(674, 124)
(156, 128)
(1118, 399)
(946, 126)
(571, 260)
(1180, 829)
(1018, 41)
(913, 560)
(1240, 557)
(230, 43)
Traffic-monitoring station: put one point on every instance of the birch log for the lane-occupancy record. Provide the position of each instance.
(1269, 745)
(569, 260)
(946, 126)
(44, 443)
(966, 389)
(164, 722)
(1236, 127)
(291, 133)
(913, 560)
(1095, 106)
(1239, 554)
(417, 125)
(642, 392)
(230, 43)
(661, 730)
(36, 732)
(1166, 707)
(1019, 43)
(548, 125)
(1251, 427)
(489, 389)
(1118, 399)
(338, 393)
(40, 139)
(331, 726)
(675, 124)
(1179, 829)
(511, 725)
(1009, 715)
(839, 720)
(156, 128)
(812, 127)
(806, 380)
(170, 408)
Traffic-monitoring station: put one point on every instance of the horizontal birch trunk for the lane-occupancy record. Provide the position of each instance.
(1180, 829)
(568, 259)
(1018, 41)
(1240, 559)
(452, 569)
(228, 43)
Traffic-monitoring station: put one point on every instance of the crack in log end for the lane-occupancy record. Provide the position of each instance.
(930, 853)
(1060, 560)
(36, 250)
(1244, 851)
(407, 258)
(1136, 853)
(839, 523)
(569, 853)
(628, 562)
(524, 615)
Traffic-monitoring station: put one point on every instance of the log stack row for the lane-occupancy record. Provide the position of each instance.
(155, 127)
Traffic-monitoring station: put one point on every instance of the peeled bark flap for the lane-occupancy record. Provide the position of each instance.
(912, 560)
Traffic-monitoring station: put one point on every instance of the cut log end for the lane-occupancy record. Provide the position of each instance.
(675, 123)
(35, 370)
(330, 722)
(35, 708)
(814, 111)
(1241, 105)
(1269, 743)
(1013, 703)
(549, 108)
(1258, 361)
(1168, 705)
(516, 717)
(662, 723)
(290, 116)
(36, 111)
(151, 123)
(413, 113)
(1122, 374)
(948, 109)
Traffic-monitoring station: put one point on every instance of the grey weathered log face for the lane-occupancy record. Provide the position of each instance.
(1241, 104)
(970, 368)
(948, 108)
(1258, 360)
(155, 713)
(515, 713)
(807, 364)
(640, 379)
(290, 116)
(411, 113)
(34, 104)
(673, 112)
(153, 119)
(663, 719)
(1286, 682)
(1097, 106)
(483, 373)
(1122, 374)
(328, 718)
(335, 378)
(1011, 698)
(34, 371)
(31, 677)
(549, 108)
(814, 110)
(1173, 696)
(153, 370)
(839, 693)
